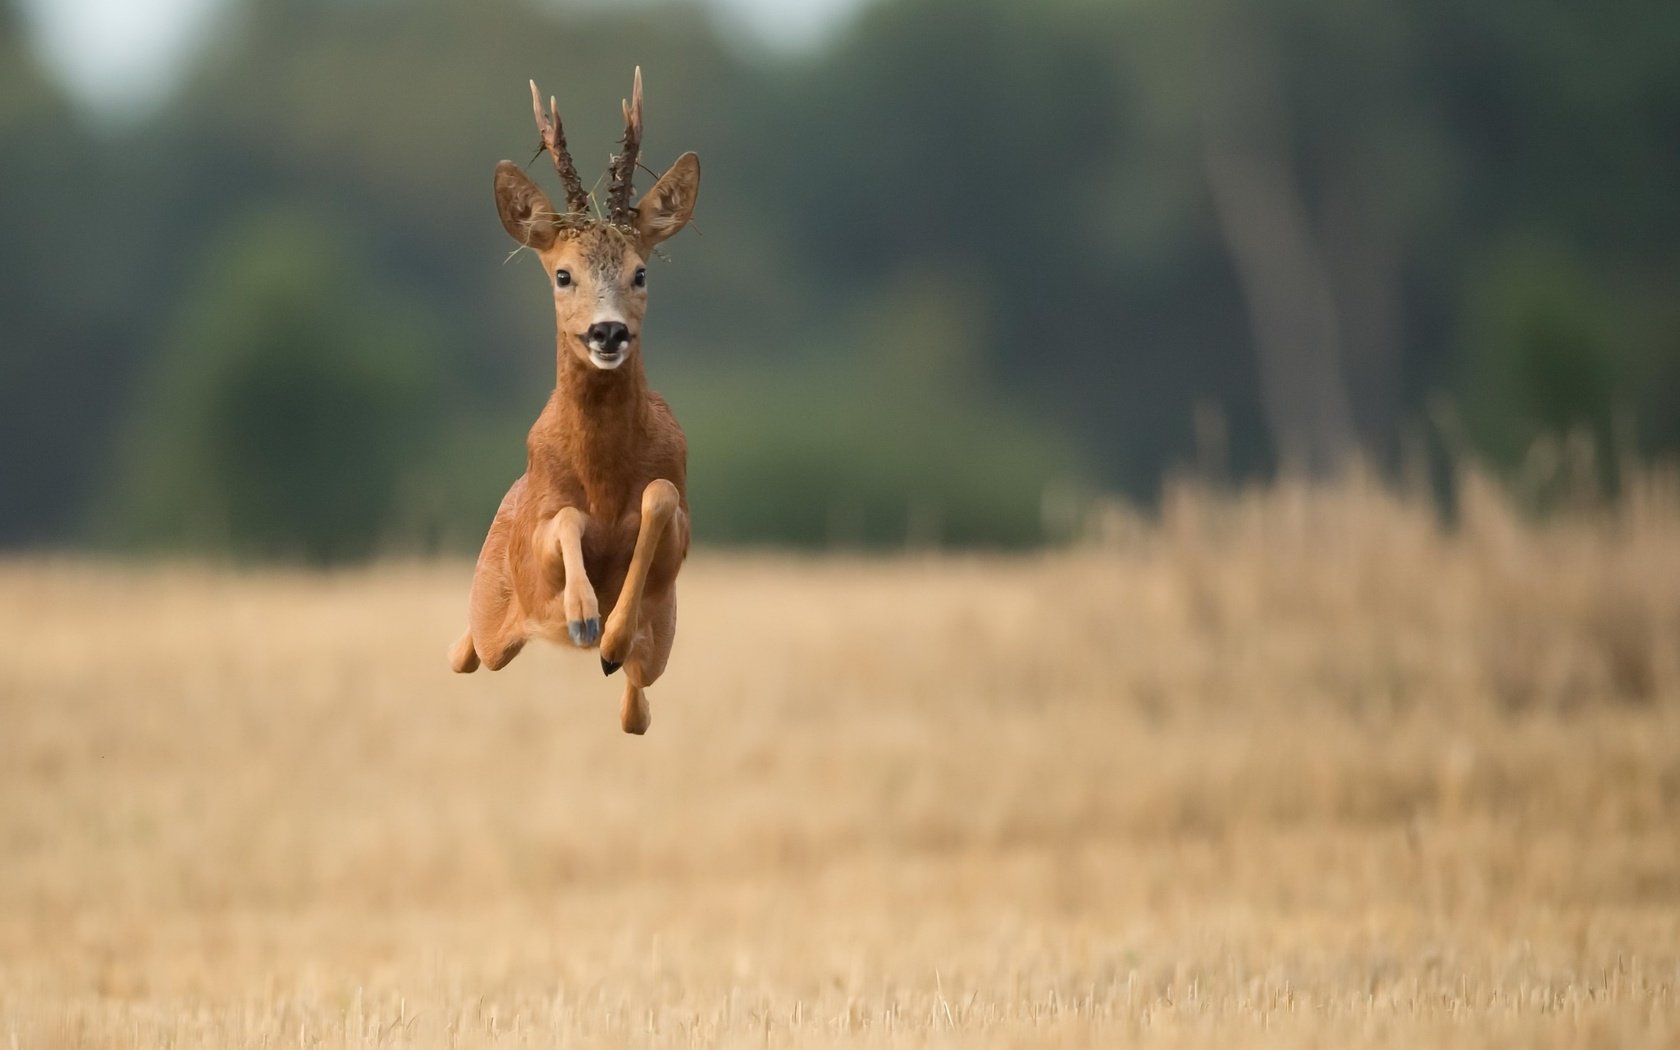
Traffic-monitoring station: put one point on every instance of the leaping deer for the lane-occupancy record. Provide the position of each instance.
(598, 524)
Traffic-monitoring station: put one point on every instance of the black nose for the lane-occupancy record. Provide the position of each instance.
(610, 336)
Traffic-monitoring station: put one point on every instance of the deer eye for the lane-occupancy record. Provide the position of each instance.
(563, 278)
(640, 280)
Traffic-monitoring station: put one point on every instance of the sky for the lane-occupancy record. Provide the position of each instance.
(123, 56)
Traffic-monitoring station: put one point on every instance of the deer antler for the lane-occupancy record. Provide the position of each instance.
(554, 141)
(622, 170)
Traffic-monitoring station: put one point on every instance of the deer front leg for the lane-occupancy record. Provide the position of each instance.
(660, 505)
(563, 539)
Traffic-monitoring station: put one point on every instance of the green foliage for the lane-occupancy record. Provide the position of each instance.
(820, 456)
(288, 402)
(877, 432)
(1543, 355)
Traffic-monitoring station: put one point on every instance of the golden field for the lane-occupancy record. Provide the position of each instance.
(1279, 769)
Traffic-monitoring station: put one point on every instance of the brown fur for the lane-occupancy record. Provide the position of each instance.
(598, 524)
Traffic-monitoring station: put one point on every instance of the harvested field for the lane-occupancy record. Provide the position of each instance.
(1287, 769)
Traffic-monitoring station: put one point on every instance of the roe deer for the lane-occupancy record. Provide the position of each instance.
(598, 524)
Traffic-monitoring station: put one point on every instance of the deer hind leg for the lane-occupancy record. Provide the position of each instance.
(661, 506)
(634, 715)
(496, 627)
(498, 631)
(647, 660)
(494, 637)
(463, 658)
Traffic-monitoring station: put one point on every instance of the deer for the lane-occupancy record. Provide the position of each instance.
(585, 548)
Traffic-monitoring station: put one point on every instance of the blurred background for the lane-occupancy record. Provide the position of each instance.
(958, 267)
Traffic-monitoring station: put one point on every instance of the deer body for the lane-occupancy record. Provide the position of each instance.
(598, 524)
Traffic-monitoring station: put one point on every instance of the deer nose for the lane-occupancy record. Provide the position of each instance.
(609, 336)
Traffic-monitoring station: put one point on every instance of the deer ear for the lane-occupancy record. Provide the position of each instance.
(670, 204)
(525, 210)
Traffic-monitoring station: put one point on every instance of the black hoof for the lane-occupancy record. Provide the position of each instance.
(584, 632)
(608, 666)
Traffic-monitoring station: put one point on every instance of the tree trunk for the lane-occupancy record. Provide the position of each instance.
(1281, 270)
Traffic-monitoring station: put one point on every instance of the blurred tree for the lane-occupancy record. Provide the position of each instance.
(59, 370)
(1545, 353)
(290, 400)
(1294, 319)
(837, 457)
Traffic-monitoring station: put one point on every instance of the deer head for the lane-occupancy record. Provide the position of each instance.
(597, 265)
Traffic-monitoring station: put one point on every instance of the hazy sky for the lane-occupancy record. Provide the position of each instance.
(121, 55)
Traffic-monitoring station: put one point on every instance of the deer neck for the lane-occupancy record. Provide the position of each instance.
(604, 413)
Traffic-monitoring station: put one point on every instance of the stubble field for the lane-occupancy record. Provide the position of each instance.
(1288, 769)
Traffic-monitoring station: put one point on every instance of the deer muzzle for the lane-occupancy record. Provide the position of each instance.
(607, 341)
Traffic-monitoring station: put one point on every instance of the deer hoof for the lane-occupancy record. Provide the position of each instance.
(585, 633)
(609, 666)
(617, 635)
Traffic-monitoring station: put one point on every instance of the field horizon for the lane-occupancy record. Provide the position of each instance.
(1291, 767)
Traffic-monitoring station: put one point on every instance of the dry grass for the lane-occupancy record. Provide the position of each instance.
(1290, 769)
